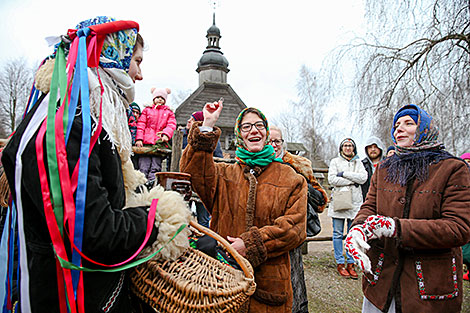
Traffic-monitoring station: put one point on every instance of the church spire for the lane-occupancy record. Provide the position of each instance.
(213, 66)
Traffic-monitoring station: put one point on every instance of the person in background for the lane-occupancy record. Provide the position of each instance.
(390, 151)
(374, 154)
(198, 116)
(345, 172)
(203, 216)
(156, 123)
(302, 166)
(408, 233)
(133, 114)
(466, 157)
(110, 234)
(258, 203)
(466, 247)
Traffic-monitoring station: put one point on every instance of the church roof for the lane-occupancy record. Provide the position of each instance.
(211, 92)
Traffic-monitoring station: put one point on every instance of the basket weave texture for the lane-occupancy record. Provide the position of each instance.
(195, 282)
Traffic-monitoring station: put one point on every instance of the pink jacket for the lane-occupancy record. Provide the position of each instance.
(153, 120)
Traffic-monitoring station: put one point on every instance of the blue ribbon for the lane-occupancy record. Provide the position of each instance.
(81, 74)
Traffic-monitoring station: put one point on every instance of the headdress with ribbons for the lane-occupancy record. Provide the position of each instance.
(101, 42)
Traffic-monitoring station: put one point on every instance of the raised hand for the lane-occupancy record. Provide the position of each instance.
(211, 113)
(356, 244)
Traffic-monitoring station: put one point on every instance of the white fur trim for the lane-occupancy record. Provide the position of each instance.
(172, 212)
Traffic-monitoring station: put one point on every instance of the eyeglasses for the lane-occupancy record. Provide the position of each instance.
(246, 127)
(277, 142)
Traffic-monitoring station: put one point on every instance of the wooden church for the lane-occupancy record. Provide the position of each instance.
(213, 70)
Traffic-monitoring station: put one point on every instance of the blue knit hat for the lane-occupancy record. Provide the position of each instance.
(426, 129)
(410, 110)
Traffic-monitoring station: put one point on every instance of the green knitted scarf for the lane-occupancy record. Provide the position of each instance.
(261, 158)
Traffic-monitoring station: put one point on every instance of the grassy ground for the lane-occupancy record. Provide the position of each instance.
(329, 292)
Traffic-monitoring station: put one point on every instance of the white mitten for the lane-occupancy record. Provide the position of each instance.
(356, 244)
(378, 226)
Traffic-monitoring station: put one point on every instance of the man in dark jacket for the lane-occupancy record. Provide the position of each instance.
(374, 154)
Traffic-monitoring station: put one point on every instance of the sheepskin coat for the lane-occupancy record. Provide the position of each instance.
(110, 235)
(304, 166)
(422, 267)
(278, 216)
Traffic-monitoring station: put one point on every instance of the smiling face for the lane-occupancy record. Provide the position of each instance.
(275, 138)
(348, 149)
(405, 130)
(254, 138)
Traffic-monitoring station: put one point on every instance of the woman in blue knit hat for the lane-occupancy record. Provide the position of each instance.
(408, 233)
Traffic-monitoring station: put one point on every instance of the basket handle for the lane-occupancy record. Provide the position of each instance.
(226, 244)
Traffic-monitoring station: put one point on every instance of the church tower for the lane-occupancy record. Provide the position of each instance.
(213, 66)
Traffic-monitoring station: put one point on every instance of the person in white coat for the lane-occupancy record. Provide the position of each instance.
(346, 174)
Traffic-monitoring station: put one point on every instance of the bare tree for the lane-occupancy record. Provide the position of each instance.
(415, 51)
(178, 96)
(15, 85)
(289, 123)
(309, 110)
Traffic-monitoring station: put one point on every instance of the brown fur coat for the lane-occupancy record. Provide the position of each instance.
(269, 217)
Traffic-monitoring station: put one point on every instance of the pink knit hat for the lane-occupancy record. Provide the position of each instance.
(160, 93)
(465, 156)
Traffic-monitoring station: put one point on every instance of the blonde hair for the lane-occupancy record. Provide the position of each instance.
(284, 143)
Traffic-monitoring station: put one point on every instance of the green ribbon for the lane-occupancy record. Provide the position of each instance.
(59, 81)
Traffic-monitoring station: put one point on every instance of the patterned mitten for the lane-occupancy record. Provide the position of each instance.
(378, 226)
(357, 246)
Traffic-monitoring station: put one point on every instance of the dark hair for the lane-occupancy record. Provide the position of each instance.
(139, 42)
(251, 110)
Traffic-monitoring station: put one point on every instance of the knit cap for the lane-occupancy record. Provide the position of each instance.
(160, 93)
(135, 106)
(351, 142)
(198, 116)
(465, 156)
(407, 110)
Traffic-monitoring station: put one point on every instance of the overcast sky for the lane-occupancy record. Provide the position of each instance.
(265, 42)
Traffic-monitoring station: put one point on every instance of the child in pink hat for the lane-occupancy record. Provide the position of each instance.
(156, 123)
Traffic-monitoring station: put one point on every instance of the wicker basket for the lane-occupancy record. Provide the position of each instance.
(195, 282)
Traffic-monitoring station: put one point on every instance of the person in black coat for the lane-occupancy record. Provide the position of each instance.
(110, 234)
(374, 154)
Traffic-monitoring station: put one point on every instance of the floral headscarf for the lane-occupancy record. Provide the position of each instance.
(117, 47)
(119, 90)
(261, 158)
(238, 134)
